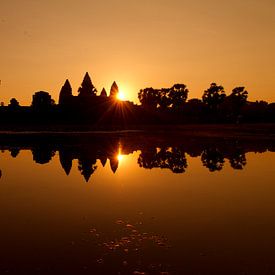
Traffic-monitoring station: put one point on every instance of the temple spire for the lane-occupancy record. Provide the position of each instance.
(65, 92)
(103, 93)
(87, 88)
(114, 90)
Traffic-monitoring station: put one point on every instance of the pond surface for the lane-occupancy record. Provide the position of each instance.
(134, 204)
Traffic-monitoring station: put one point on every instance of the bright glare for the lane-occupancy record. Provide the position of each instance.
(120, 157)
(120, 95)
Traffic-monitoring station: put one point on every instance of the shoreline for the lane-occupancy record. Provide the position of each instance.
(260, 130)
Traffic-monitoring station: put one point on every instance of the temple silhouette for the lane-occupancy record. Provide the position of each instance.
(91, 110)
(84, 109)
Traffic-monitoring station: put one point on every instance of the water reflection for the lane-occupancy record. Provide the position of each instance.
(165, 153)
(143, 220)
(172, 158)
(130, 241)
(213, 159)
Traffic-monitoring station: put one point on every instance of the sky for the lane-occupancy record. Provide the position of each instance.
(139, 44)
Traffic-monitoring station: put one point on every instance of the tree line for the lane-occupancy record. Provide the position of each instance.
(157, 106)
(213, 106)
(176, 96)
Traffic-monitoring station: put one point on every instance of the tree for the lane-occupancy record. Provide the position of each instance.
(149, 98)
(164, 100)
(14, 104)
(178, 94)
(213, 96)
(238, 98)
(87, 88)
(65, 93)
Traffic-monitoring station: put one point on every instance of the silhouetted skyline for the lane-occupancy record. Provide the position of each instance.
(158, 106)
(144, 43)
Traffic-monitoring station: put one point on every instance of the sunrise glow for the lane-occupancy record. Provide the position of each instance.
(121, 96)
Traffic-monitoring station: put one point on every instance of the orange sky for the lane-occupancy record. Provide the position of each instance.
(137, 43)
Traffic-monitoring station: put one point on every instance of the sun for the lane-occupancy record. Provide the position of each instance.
(121, 96)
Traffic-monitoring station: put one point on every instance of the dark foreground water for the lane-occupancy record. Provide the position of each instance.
(134, 204)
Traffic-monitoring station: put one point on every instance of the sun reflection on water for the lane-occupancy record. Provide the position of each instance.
(120, 157)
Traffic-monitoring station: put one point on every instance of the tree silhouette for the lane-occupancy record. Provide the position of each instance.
(14, 104)
(65, 93)
(164, 100)
(178, 162)
(166, 158)
(87, 88)
(237, 159)
(149, 98)
(213, 96)
(171, 158)
(238, 98)
(212, 159)
(146, 158)
(178, 94)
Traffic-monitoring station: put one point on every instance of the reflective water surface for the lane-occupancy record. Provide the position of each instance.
(137, 204)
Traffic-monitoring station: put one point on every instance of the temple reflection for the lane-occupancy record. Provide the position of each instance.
(87, 156)
(154, 153)
(66, 160)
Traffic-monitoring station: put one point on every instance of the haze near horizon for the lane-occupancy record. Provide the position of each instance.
(137, 44)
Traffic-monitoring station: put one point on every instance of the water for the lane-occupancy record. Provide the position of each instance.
(137, 204)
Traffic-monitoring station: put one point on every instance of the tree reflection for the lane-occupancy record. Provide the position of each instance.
(213, 159)
(147, 158)
(237, 159)
(170, 158)
(154, 153)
